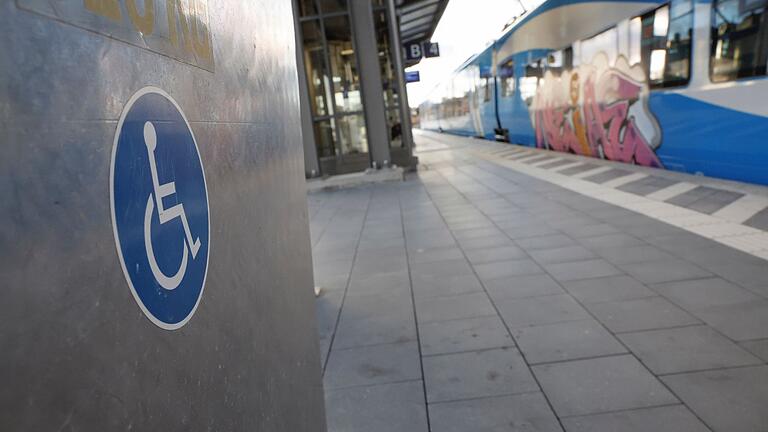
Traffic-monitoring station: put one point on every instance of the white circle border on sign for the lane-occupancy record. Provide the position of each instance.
(126, 109)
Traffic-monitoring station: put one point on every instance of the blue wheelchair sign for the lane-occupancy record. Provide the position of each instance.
(160, 213)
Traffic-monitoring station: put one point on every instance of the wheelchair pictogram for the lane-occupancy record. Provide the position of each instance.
(161, 191)
(160, 213)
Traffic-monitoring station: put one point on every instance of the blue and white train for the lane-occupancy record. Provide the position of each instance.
(678, 84)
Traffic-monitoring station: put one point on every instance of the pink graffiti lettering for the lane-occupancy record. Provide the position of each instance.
(591, 113)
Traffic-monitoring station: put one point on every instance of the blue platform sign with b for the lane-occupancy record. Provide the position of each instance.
(160, 213)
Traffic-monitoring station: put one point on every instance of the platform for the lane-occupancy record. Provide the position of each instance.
(509, 288)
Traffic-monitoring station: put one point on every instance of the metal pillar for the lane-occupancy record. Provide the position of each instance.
(361, 12)
(397, 58)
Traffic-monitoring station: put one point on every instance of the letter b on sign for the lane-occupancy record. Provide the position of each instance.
(413, 51)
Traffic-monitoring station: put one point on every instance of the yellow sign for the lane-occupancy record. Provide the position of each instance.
(174, 28)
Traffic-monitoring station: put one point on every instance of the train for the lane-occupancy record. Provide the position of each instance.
(679, 85)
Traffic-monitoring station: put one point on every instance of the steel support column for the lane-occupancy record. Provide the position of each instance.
(397, 58)
(361, 12)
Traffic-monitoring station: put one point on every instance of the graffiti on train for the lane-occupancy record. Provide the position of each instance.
(598, 110)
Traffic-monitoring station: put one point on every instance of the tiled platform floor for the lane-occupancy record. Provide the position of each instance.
(473, 297)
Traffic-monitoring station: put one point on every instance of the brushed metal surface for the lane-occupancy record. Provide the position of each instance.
(76, 352)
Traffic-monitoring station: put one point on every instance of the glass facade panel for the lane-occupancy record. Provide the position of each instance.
(331, 6)
(307, 7)
(352, 135)
(317, 72)
(346, 79)
(325, 137)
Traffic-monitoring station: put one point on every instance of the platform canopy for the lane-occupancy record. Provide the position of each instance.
(418, 19)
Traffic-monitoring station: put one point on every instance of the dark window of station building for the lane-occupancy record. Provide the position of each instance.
(507, 77)
(665, 43)
(739, 39)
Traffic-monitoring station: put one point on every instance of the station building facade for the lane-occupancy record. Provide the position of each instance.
(355, 111)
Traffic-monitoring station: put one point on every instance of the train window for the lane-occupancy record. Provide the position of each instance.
(665, 43)
(739, 39)
(528, 84)
(507, 76)
(487, 83)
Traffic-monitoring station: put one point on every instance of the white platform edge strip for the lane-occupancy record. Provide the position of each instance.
(744, 238)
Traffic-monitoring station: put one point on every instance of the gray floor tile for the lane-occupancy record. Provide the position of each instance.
(750, 275)
(561, 254)
(446, 286)
(566, 341)
(527, 412)
(728, 400)
(759, 220)
(740, 322)
(475, 374)
(485, 242)
(540, 310)
(664, 271)
(613, 240)
(612, 288)
(439, 269)
(757, 347)
(504, 253)
(686, 349)
(588, 269)
(693, 195)
(605, 176)
(578, 169)
(429, 242)
(715, 201)
(545, 242)
(504, 269)
(522, 286)
(454, 307)
(587, 231)
(378, 283)
(463, 335)
(361, 330)
(522, 232)
(640, 314)
(698, 294)
(674, 418)
(395, 407)
(433, 255)
(466, 234)
(647, 185)
(634, 254)
(554, 164)
(539, 159)
(600, 385)
(372, 365)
